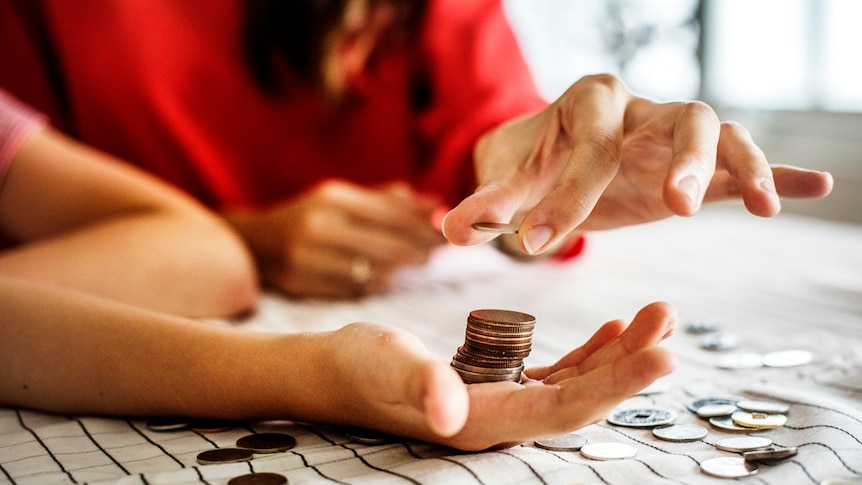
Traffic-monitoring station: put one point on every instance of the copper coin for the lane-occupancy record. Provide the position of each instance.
(266, 442)
(496, 227)
(263, 478)
(224, 455)
(770, 454)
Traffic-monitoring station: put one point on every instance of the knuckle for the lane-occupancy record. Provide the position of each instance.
(699, 109)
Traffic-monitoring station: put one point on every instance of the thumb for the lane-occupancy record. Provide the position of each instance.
(444, 399)
(489, 203)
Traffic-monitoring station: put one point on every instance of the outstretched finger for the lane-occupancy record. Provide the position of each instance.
(651, 325)
(603, 336)
(696, 132)
(748, 168)
(504, 414)
(589, 120)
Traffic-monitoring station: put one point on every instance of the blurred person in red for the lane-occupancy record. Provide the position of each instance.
(333, 134)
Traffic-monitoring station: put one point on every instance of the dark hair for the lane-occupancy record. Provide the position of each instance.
(293, 32)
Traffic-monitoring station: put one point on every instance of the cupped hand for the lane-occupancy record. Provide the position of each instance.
(600, 157)
(341, 240)
(392, 383)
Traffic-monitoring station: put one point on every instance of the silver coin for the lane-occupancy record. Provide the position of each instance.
(699, 402)
(743, 443)
(770, 454)
(496, 227)
(642, 418)
(701, 326)
(566, 442)
(168, 424)
(266, 442)
(726, 423)
(842, 481)
(718, 341)
(740, 360)
(680, 432)
(224, 455)
(728, 467)
(763, 407)
(713, 410)
(258, 478)
(758, 420)
(787, 358)
(608, 451)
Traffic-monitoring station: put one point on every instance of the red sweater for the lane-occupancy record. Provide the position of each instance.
(162, 83)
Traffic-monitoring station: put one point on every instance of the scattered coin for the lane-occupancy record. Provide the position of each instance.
(702, 326)
(224, 455)
(699, 402)
(743, 443)
(770, 454)
(642, 418)
(787, 358)
(261, 478)
(266, 442)
(842, 481)
(680, 432)
(758, 420)
(211, 426)
(496, 227)
(368, 436)
(763, 407)
(726, 423)
(608, 451)
(168, 424)
(713, 410)
(496, 343)
(566, 442)
(728, 467)
(718, 341)
(740, 360)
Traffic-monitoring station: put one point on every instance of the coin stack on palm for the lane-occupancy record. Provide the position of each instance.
(495, 346)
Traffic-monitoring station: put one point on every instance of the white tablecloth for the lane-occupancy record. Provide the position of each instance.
(776, 284)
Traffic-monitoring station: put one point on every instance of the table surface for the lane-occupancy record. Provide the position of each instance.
(775, 284)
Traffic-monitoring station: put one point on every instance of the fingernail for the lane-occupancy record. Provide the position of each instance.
(691, 188)
(537, 238)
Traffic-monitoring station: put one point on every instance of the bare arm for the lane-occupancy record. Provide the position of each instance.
(86, 221)
(67, 352)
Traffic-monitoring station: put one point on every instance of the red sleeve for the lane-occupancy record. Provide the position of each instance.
(478, 79)
(17, 121)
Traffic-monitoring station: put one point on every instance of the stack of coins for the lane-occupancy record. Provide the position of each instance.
(495, 346)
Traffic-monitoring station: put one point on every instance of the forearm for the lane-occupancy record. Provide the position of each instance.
(89, 222)
(73, 353)
(157, 261)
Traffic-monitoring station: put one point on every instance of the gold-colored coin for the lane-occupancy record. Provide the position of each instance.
(758, 420)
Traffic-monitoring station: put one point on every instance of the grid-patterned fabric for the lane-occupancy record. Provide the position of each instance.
(787, 283)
